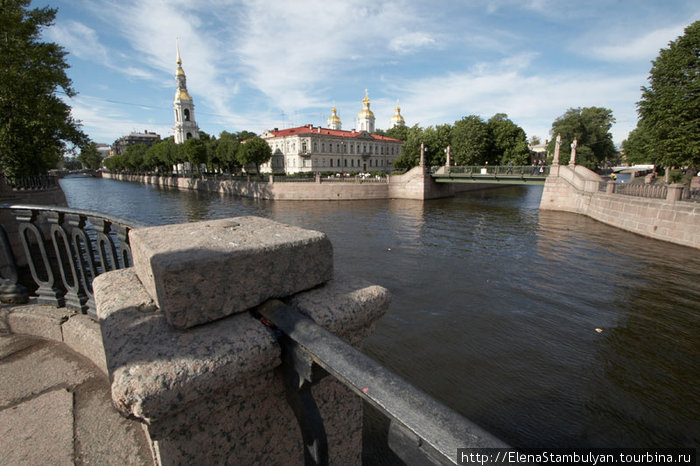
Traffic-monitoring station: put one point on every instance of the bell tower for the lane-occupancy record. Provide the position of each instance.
(185, 125)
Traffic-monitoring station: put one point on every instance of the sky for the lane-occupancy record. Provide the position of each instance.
(259, 64)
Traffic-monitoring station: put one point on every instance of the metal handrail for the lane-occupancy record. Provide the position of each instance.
(497, 170)
(81, 245)
(419, 423)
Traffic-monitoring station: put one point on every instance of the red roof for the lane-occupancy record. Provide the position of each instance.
(310, 130)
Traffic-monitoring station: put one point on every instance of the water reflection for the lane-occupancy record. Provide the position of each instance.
(496, 304)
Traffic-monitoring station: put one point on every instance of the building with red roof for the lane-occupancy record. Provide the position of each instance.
(315, 149)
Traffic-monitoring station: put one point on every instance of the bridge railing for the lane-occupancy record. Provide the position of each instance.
(497, 170)
(651, 191)
(421, 429)
(30, 183)
(63, 250)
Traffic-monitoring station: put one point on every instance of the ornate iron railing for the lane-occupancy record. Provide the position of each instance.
(422, 430)
(64, 250)
(30, 183)
(496, 170)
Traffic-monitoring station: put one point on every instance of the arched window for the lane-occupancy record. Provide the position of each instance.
(187, 114)
(189, 135)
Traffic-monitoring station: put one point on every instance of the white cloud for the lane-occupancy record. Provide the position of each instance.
(407, 43)
(294, 54)
(642, 47)
(532, 101)
(79, 39)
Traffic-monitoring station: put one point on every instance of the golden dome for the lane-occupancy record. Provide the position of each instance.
(397, 118)
(182, 94)
(334, 117)
(366, 112)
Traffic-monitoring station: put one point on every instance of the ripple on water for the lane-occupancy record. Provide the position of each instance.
(496, 305)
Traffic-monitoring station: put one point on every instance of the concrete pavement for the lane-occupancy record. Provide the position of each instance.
(55, 403)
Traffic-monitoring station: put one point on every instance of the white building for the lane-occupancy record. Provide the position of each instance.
(185, 124)
(315, 149)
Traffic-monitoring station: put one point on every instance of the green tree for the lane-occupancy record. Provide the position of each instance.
(535, 141)
(255, 151)
(669, 110)
(471, 141)
(638, 148)
(37, 126)
(509, 143)
(436, 139)
(134, 155)
(397, 132)
(410, 152)
(226, 151)
(245, 135)
(590, 126)
(90, 157)
(195, 151)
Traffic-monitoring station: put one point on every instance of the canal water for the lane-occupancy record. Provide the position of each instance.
(548, 329)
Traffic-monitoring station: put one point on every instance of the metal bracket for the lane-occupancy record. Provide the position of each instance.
(298, 371)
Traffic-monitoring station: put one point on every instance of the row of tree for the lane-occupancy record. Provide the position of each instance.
(473, 141)
(229, 153)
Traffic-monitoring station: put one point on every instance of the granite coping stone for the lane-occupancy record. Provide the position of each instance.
(157, 370)
(204, 271)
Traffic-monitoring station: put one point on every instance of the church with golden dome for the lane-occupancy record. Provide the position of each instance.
(185, 125)
(314, 149)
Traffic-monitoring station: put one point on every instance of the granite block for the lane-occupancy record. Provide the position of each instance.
(260, 429)
(156, 369)
(200, 272)
(40, 321)
(82, 334)
(344, 306)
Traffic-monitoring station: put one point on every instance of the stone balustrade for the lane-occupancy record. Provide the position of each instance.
(202, 375)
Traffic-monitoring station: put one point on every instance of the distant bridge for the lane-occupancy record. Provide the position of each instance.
(491, 174)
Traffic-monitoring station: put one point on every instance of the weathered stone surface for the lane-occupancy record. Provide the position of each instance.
(200, 272)
(261, 428)
(51, 366)
(82, 334)
(102, 435)
(37, 320)
(344, 305)
(38, 431)
(10, 344)
(157, 369)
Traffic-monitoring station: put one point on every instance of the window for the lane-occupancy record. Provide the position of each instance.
(346, 162)
(189, 135)
(352, 162)
(339, 163)
(187, 114)
(331, 162)
(315, 146)
(330, 147)
(323, 147)
(352, 149)
(303, 147)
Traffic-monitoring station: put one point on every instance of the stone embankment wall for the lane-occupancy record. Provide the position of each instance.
(416, 184)
(576, 189)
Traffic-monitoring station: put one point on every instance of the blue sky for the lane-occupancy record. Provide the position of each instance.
(256, 65)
